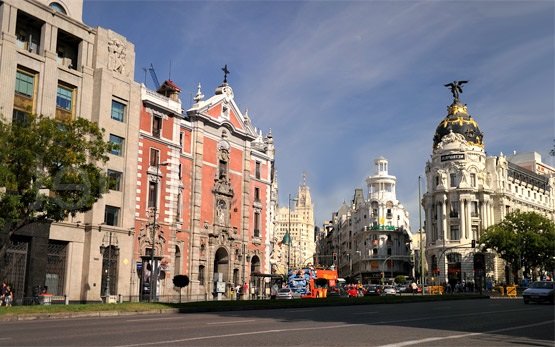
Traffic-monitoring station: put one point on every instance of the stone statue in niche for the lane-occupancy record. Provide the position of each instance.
(117, 56)
(442, 178)
(221, 209)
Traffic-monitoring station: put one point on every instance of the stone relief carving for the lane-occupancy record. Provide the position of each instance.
(117, 56)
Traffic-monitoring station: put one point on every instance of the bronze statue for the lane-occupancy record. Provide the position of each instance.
(456, 88)
(226, 72)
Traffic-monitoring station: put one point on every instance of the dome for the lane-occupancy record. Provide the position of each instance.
(459, 121)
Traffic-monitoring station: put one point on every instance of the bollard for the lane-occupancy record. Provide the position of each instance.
(66, 300)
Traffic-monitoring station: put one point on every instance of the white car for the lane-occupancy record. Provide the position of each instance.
(389, 290)
(284, 294)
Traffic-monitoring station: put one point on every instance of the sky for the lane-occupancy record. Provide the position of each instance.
(340, 83)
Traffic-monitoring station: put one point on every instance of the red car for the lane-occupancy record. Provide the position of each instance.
(353, 292)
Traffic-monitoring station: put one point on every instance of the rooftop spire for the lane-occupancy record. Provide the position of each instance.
(199, 95)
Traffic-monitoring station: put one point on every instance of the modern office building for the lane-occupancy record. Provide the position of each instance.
(191, 192)
(53, 64)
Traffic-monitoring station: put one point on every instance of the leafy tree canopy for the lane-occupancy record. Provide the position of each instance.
(523, 239)
(49, 169)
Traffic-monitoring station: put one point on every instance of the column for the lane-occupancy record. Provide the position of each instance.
(444, 219)
(462, 218)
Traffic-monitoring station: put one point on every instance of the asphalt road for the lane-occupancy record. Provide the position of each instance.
(482, 322)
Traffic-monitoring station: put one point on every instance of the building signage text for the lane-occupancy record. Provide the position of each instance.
(447, 157)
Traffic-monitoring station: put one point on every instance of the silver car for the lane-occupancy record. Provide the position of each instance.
(540, 292)
(284, 294)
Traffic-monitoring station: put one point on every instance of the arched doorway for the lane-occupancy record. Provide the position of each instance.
(221, 263)
(255, 264)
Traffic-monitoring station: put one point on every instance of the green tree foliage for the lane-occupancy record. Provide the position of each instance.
(523, 239)
(49, 170)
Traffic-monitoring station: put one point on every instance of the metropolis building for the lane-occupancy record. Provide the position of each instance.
(468, 191)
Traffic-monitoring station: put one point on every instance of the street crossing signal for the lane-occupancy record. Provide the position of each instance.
(334, 256)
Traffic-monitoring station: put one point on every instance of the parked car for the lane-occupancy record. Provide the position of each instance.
(372, 290)
(389, 290)
(284, 294)
(402, 288)
(542, 291)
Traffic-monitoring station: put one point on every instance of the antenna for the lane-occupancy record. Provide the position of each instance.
(154, 77)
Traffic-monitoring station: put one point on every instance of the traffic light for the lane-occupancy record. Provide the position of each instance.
(334, 257)
(473, 243)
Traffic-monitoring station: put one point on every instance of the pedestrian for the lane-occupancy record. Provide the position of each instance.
(8, 299)
(238, 292)
(414, 288)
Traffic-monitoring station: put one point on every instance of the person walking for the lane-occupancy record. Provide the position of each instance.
(8, 299)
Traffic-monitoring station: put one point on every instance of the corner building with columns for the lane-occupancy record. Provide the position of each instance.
(467, 191)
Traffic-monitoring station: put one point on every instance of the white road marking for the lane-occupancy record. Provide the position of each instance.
(460, 336)
(347, 326)
(241, 334)
(232, 321)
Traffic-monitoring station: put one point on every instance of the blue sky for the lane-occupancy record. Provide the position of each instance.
(340, 83)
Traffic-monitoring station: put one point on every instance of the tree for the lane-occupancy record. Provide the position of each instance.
(48, 171)
(523, 239)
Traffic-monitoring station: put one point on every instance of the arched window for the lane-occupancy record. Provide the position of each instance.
(57, 7)
(177, 267)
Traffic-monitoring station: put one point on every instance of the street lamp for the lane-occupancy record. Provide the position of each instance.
(153, 270)
(422, 277)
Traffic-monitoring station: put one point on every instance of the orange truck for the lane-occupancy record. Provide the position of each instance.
(319, 284)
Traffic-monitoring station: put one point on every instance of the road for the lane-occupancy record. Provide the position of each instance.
(485, 322)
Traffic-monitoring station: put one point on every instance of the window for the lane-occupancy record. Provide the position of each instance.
(24, 84)
(257, 194)
(179, 206)
(181, 140)
(117, 143)
(454, 212)
(111, 215)
(154, 157)
(156, 126)
(64, 98)
(455, 235)
(177, 267)
(57, 7)
(114, 180)
(473, 180)
(257, 171)
(222, 169)
(257, 224)
(453, 179)
(201, 274)
(28, 32)
(118, 111)
(474, 208)
(152, 194)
